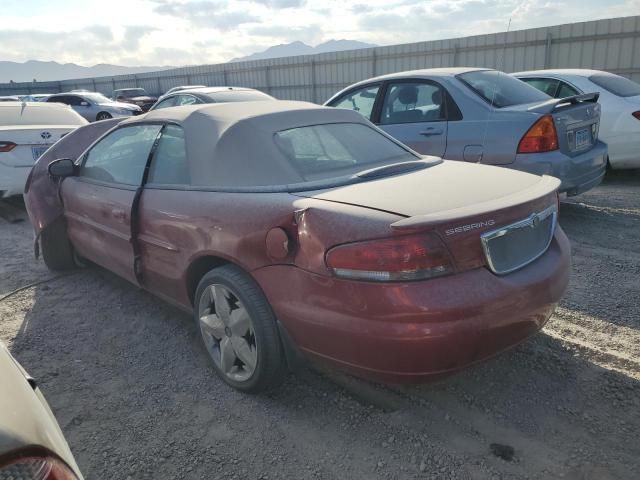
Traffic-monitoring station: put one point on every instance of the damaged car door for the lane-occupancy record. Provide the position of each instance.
(99, 201)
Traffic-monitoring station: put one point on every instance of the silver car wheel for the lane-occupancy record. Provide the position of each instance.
(228, 333)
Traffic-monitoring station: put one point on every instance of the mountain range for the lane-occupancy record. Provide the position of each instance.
(44, 71)
(301, 48)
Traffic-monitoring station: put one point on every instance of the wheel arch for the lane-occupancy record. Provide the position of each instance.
(198, 268)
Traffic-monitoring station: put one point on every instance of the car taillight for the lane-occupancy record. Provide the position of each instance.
(36, 468)
(541, 137)
(7, 146)
(636, 114)
(414, 257)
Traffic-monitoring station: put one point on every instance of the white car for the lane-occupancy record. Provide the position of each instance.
(27, 130)
(620, 101)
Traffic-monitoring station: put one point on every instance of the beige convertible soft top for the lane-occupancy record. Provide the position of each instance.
(231, 144)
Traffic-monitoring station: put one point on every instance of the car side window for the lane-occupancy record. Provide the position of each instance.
(167, 102)
(545, 85)
(413, 102)
(121, 156)
(361, 100)
(566, 90)
(61, 99)
(187, 100)
(169, 163)
(74, 100)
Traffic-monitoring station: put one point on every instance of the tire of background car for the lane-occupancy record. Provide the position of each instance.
(57, 251)
(103, 116)
(239, 290)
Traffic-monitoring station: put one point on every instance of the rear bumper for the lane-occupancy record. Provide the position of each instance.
(577, 174)
(416, 331)
(12, 180)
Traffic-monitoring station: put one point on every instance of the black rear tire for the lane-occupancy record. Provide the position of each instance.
(57, 251)
(271, 367)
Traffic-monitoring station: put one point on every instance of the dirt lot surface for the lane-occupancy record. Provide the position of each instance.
(137, 399)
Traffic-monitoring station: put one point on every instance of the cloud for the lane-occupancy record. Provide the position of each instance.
(133, 34)
(281, 3)
(90, 45)
(206, 14)
(308, 33)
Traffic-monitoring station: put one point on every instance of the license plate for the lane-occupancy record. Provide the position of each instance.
(37, 151)
(583, 138)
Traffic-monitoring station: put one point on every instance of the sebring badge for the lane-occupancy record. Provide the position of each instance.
(471, 226)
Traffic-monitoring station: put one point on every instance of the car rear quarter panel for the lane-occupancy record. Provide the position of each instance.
(495, 132)
(178, 227)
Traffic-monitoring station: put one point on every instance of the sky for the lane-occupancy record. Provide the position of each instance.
(182, 32)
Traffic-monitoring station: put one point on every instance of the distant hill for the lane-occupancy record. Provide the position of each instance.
(42, 71)
(300, 48)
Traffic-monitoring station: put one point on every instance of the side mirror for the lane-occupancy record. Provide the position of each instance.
(62, 167)
(84, 104)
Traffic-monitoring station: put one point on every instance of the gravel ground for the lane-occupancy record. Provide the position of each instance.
(137, 399)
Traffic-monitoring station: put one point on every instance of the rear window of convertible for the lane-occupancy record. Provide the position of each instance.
(319, 152)
(501, 90)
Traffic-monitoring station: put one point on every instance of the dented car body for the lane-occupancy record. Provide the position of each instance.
(360, 252)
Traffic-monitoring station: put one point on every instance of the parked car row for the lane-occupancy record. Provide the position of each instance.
(294, 230)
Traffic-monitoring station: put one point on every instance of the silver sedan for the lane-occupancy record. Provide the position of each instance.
(486, 116)
(95, 106)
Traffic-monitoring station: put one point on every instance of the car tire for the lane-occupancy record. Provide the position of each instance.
(103, 116)
(57, 251)
(252, 362)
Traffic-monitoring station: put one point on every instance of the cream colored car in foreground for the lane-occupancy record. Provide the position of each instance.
(32, 446)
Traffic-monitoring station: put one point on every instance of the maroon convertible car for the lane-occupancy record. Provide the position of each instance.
(286, 227)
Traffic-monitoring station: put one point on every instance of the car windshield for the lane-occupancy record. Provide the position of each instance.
(96, 97)
(132, 92)
(620, 86)
(319, 152)
(500, 89)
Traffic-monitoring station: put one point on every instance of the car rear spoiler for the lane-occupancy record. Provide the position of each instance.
(556, 104)
(545, 186)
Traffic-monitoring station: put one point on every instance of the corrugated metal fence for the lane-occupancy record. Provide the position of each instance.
(611, 44)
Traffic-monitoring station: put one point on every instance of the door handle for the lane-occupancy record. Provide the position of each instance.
(118, 213)
(427, 132)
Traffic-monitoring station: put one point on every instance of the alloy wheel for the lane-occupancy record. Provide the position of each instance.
(228, 332)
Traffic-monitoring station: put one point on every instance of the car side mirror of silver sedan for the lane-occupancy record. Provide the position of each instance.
(62, 167)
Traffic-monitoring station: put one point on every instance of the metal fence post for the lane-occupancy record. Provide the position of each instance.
(267, 79)
(547, 51)
(314, 86)
(374, 63)
(455, 55)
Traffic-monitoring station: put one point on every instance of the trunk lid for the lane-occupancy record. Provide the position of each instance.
(458, 201)
(31, 142)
